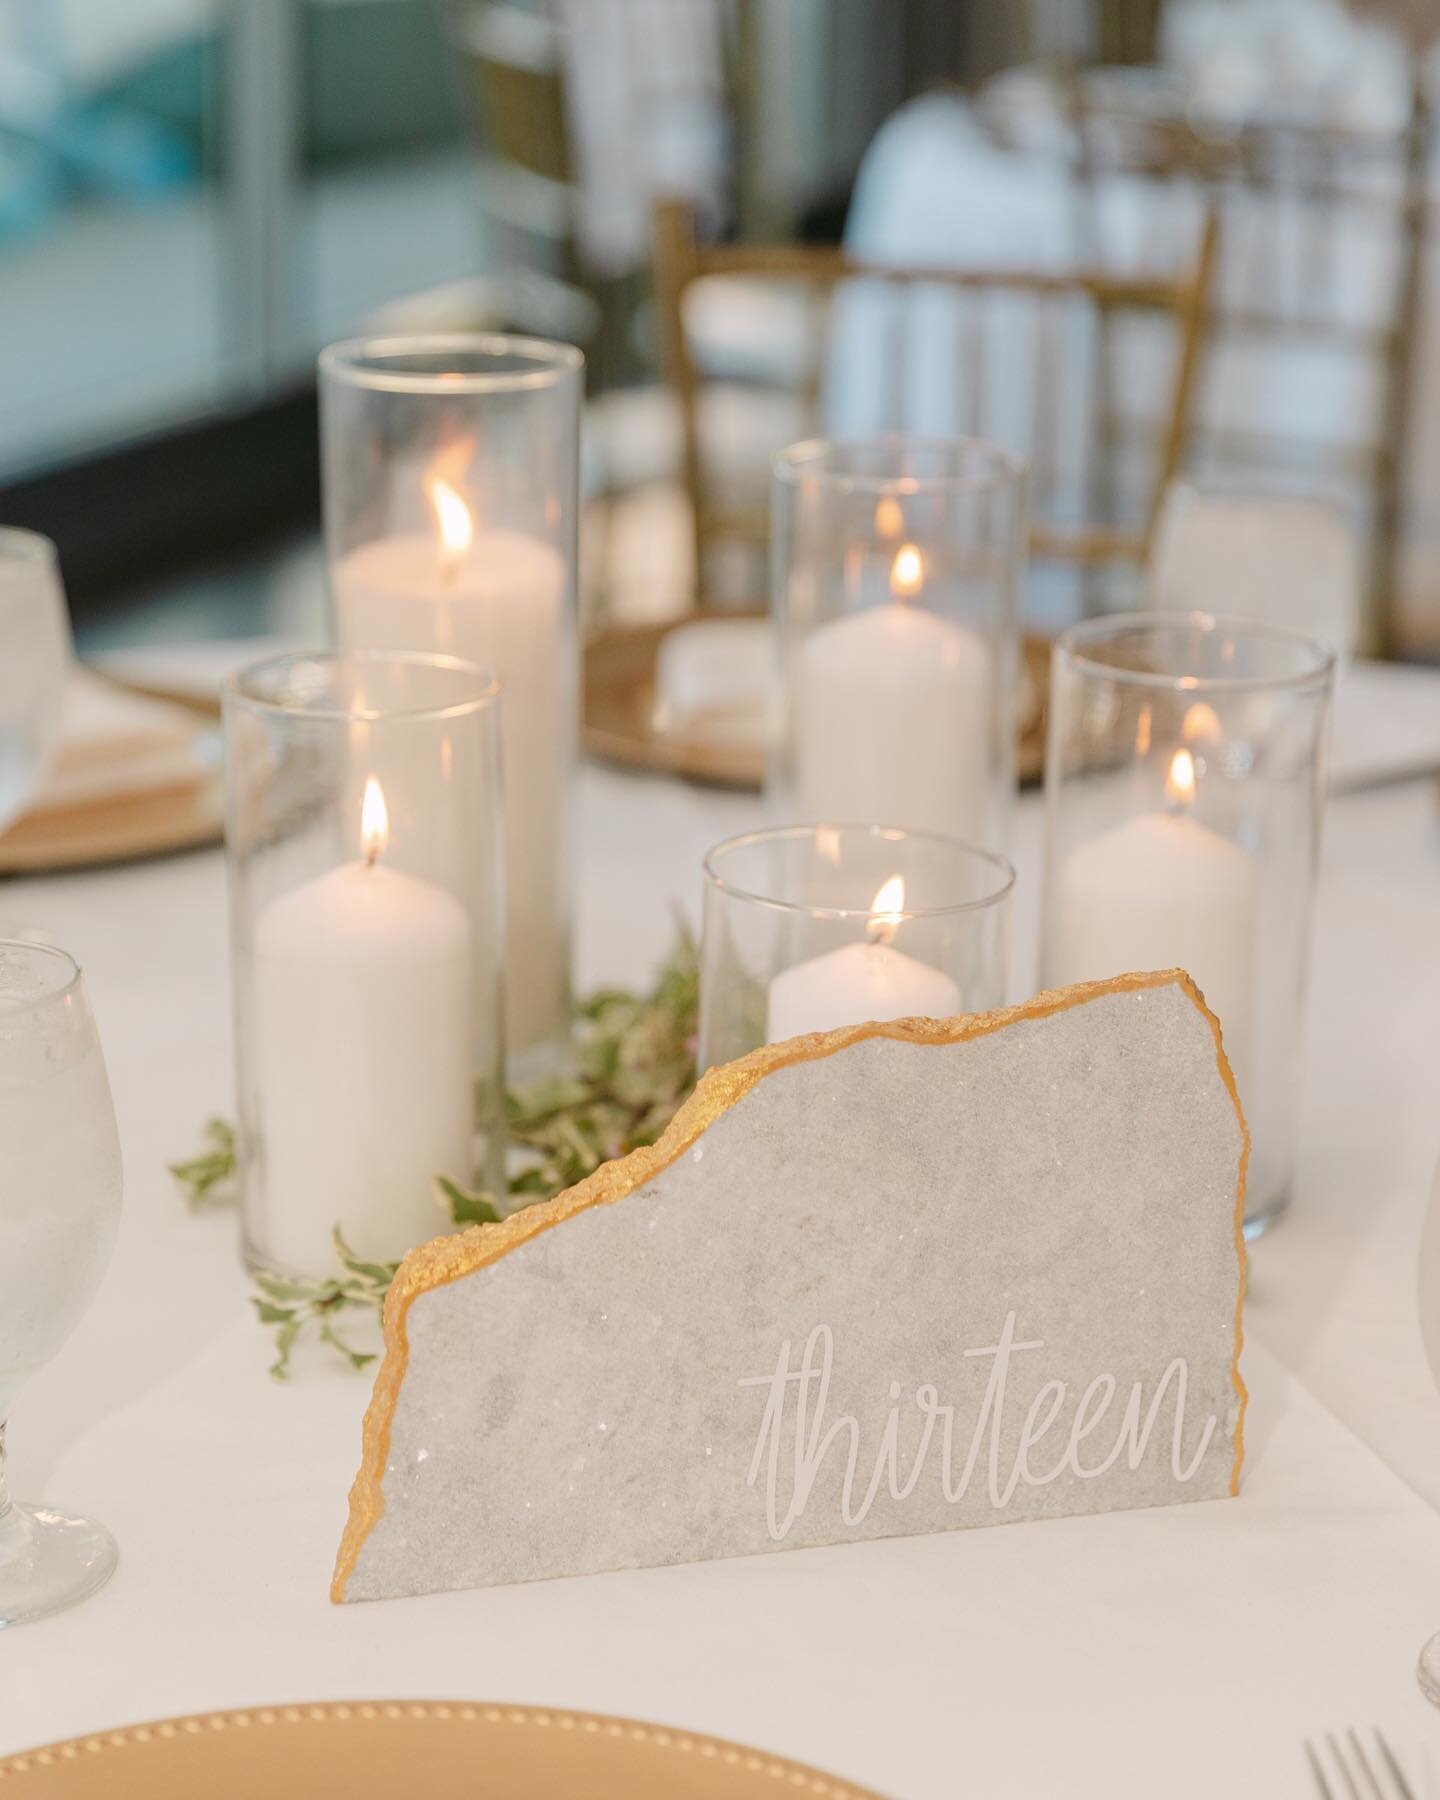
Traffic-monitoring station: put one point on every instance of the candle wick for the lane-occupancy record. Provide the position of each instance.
(372, 855)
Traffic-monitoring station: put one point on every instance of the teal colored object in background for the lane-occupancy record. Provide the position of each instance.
(376, 81)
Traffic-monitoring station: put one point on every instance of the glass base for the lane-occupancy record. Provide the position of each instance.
(1428, 1671)
(49, 1561)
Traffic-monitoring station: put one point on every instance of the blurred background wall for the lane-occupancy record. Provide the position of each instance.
(195, 195)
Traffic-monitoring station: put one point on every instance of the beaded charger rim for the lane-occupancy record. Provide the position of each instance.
(447, 1259)
(51, 1764)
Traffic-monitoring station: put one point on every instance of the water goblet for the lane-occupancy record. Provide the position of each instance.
(59, 1210)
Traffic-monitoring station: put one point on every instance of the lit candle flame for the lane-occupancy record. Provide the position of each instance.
(886, 910)
(1180, 782)
(889, 517)
(907, 572)
(374, 820)
(1201, 724)
(452, 515)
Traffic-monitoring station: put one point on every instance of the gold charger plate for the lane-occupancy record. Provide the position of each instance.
(124, 827)
(619, 712)
(375, 1749)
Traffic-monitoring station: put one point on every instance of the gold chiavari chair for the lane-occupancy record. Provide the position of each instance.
(511, 62)
(681, 262)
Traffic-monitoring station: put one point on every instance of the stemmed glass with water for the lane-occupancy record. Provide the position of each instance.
(59, 1209)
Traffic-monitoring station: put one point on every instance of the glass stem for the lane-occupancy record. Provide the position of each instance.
(4, 1491)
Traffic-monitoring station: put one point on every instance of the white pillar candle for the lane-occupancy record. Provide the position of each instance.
(1163, 891)
(496, 598)
(892, 716)
(364, 1086)
(860, 982)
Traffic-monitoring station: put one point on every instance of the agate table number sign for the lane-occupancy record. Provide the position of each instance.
(879, 1281)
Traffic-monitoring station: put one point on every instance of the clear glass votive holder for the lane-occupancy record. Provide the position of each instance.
(1184, 785)
(812, 927)
(895, 605)
(364, 842)
(450, 496)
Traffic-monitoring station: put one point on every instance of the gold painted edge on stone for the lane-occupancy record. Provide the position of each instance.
(660, 1737)
(448, 1259)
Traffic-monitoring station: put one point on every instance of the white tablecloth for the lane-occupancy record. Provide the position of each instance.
(1182, 1652)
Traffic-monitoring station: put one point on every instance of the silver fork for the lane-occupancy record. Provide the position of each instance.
(1353, 1773)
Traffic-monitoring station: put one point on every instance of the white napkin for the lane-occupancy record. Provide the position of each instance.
(114, 742)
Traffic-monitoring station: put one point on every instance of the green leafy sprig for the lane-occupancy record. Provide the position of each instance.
(208, 1180)
(633, 1065)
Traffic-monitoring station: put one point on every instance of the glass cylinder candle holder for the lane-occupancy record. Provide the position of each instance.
(811, 927)
(450, 495)
(364, 839)
(1184, 783)
(896, 566)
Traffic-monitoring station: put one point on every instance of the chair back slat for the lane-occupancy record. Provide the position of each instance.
(1045, 385)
